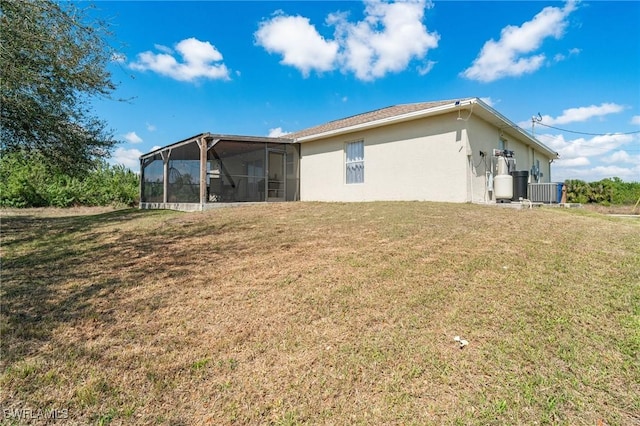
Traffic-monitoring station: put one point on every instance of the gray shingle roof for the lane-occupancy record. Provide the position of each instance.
(367, 117)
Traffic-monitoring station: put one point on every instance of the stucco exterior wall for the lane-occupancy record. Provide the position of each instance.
(431, 159)
(485, 137)
(422, 160)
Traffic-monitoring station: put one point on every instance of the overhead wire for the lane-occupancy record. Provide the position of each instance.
(585, 144)
(590, 143)
(587, 133)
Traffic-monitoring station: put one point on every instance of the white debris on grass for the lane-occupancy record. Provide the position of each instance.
(461, 341)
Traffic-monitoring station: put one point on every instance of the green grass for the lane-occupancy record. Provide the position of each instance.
(312, 313)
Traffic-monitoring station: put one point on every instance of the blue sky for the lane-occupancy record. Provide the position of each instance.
(267, 68)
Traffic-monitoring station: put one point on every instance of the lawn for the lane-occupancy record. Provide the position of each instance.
(321, 313)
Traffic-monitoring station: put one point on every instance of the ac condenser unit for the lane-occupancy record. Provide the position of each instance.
(543, 192)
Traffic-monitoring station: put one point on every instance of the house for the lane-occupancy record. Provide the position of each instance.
(455, 150)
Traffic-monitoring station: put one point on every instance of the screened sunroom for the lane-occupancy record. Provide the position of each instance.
(206, 170)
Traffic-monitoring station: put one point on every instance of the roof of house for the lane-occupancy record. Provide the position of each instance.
(407, 112)
(367, 117)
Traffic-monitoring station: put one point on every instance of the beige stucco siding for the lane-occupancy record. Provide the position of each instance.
(419, 160)
(435, 159)
(482, 137)
(485, 137)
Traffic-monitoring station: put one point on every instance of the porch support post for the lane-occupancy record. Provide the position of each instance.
(165, 175)
(141, 183)
(202, 144)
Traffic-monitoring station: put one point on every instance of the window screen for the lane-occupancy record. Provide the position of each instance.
(355, 162)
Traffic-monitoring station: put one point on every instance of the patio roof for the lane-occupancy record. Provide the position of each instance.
(219, 137)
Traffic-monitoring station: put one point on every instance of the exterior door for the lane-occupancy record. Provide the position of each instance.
(275, 176)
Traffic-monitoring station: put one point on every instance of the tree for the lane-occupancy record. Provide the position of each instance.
(53, 63)
(26, 181)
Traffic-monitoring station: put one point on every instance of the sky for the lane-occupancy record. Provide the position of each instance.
(266, 68)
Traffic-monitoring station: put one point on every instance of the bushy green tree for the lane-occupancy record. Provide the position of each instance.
(577, 191)
(605, 191)
(21, 177)
(624, 192)
(54, 61)
(27, 181)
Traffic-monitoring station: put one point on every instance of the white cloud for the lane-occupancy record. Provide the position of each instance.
(426, 68)
(507, 57)
(132, 137)
(298, 42)
(200, 59)
(277, 132)
(153, 148)
(596, 173)
(370, 52)
(581, 147)
(625, 173)
(576, 155)
(164, 49)
(635, 120)
(619, 164)
(592, 158)
(561, 56)
(489, 101)
(580, 114)
(127, 157)
(386, 40)
(574, 162)
(151, 127)
(622, 157)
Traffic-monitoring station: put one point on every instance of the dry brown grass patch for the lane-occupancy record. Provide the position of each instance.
(311, 313)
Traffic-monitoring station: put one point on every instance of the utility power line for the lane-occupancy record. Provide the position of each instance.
(587, 133)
